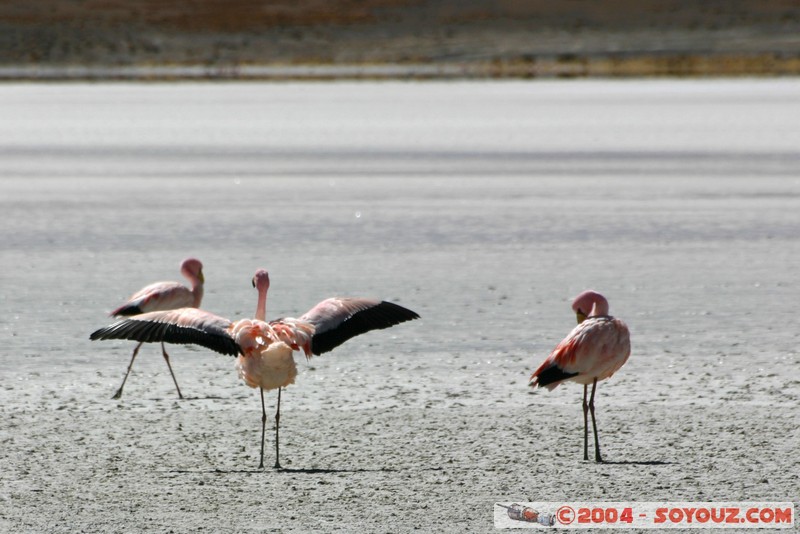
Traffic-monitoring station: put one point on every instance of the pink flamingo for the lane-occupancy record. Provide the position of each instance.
(594, 350)
(163, 296)
(265, 349)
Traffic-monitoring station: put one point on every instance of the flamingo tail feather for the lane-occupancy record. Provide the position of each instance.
(550, 377)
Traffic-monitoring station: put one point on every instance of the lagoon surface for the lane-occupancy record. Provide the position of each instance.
(483, 206)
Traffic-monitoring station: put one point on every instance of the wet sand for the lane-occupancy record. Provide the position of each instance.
(483, 207)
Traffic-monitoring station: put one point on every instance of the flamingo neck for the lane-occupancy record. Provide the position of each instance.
(197, 292)
(197, 286)
(261, 307)
(600, 307)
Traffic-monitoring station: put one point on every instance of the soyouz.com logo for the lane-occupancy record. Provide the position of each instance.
(550, 515)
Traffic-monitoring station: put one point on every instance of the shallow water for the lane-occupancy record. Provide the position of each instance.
(485, 207)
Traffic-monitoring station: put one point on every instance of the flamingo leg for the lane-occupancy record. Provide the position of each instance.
(597, 457)
(118, 394)
(585, 425)
(166, 359)
(277, 427)
(263, 425)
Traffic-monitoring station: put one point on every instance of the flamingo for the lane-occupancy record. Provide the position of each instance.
(593, 351)
(163, 296)
(264, 350)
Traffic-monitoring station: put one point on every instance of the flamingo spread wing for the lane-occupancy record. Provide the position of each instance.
(336, 320)
(183, 326)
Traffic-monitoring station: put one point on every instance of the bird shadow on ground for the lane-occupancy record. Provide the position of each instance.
(312, 471)
(293, 470)
(637, 462)
(185, 399)
(315, 471)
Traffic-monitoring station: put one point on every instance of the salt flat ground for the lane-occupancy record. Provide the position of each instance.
(485, 207)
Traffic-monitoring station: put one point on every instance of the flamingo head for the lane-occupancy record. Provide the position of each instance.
(589, 304)
(192, 269)
(261, 280)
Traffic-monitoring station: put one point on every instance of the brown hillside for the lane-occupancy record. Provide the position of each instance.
(508, 32)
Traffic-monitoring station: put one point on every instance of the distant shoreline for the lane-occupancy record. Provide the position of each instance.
(143, 40)
(563, 66)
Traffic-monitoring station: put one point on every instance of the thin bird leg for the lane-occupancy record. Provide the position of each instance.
(597, 457)
(166, 359)
(263, 425)
(118, 394)
(585, 425)
(277, 427)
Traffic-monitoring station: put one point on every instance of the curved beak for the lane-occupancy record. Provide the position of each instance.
(581, 316)
(201, 277)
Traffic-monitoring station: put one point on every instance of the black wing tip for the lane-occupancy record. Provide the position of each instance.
(104, 333)
(552, 375)
(395, 311)
(411, 313)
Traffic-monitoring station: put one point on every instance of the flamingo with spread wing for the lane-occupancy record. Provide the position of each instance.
(264, 349)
